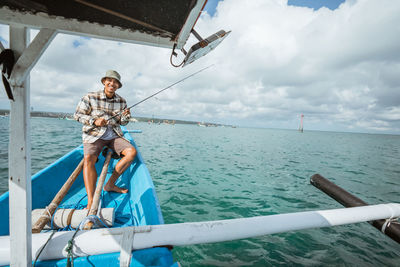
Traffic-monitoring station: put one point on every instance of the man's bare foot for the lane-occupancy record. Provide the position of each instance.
(114, 188)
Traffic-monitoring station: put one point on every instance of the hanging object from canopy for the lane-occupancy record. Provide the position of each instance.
(201, 48)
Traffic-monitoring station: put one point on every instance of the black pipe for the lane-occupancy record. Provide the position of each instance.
(392, 229)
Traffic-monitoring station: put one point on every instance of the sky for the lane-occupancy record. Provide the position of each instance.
(337, 63)
(316, 4)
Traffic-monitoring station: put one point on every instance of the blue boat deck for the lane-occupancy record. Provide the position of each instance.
(139, 206)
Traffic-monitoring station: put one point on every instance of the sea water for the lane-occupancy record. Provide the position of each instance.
(214, 173)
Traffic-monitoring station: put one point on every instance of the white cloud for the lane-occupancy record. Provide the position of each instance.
(338, 67)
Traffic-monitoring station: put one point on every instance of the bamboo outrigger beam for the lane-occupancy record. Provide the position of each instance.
(45, 217)
(182, 234)
(99, 188)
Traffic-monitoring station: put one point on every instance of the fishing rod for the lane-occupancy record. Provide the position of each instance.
(141, 101)
(156, 93)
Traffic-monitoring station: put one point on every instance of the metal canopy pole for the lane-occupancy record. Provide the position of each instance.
(20, 143)
(20, 161)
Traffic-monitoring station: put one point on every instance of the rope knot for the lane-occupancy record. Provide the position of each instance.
(69, 246)
(387, 223)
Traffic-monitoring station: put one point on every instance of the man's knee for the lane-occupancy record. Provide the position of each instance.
(129, 153)
(89, 160)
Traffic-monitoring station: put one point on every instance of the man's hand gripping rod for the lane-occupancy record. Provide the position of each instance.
(141, 101)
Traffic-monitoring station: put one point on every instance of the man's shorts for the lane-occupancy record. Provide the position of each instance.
(118, 145)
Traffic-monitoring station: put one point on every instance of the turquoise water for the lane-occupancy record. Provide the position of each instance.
(205, 174)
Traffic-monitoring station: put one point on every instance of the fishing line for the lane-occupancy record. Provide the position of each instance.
(141, 101)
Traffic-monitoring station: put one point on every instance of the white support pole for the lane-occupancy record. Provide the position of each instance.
(20, 161)
(20, 143)
(31, 55)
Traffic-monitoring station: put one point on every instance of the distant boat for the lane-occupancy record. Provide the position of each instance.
(172, 122)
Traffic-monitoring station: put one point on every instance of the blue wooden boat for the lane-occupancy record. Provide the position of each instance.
(137, 208)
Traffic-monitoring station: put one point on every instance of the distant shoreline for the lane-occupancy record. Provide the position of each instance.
(66, 115)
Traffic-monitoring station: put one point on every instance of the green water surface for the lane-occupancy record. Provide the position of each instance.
(208, 173)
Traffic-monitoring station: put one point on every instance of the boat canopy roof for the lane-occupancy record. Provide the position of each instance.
(160, 23)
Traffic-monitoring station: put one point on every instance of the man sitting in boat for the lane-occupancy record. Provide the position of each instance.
(95, 111)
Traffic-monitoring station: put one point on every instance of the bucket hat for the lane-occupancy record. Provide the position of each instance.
(112, 74)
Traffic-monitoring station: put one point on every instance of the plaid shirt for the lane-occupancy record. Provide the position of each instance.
(96, 105)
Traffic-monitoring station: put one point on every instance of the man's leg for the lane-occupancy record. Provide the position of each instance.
(129, 154)
(91, 151)
(89, 177)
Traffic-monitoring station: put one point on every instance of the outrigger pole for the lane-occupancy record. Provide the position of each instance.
(182, 234)
(389, 227)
